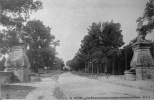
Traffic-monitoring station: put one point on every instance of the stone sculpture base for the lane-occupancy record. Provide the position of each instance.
(22, 74)
(8, 69)
(144, 73)
(129, 75)
(6, 77)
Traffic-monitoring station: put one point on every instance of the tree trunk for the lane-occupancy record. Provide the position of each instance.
(88, 66)
(113, 68)
(118, 69)
(126, 59)
(92, 67)
(97, 69)
(105, 70)
(85, 68)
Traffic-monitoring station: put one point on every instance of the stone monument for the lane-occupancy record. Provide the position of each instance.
(17, 62)
(142, 61)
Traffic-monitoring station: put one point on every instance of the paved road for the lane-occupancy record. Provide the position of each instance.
(82, 88)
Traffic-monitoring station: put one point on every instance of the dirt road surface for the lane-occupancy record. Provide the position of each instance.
(82, 88)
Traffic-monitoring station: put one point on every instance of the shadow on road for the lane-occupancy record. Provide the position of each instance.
(16, 91)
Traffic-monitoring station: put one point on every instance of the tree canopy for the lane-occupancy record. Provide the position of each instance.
(41, 42)
(15, 12)
(101, 43)
(146, 22)
(38, 38)
(37, 35)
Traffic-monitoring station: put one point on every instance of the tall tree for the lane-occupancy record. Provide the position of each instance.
(58, 63)
(39, 39)
(37, 35)
(102, 41)
(15, 12)
(148, 17)
(7, 39)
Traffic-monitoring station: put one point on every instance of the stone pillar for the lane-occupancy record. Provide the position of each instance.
(18, 63)
(142, 61)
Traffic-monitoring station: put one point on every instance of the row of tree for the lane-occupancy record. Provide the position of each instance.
(38, 38)
(100, 50)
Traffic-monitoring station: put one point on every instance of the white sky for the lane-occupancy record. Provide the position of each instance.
(69, 19)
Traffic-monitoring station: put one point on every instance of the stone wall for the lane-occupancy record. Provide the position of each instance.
(6, 77)
(20, 75)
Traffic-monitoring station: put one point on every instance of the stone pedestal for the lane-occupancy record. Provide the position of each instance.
(144, 73)
(142, 61)
(17, 62)
(151, 70)
(129, 75)
(8, 69)
(6, 77)
(22, 74)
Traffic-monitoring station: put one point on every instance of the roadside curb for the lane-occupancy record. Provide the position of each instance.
(123, 84)
(68, 96)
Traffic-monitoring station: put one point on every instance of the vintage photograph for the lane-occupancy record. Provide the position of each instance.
(77, 49)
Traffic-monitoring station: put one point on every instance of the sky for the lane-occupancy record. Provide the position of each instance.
(70, 19)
